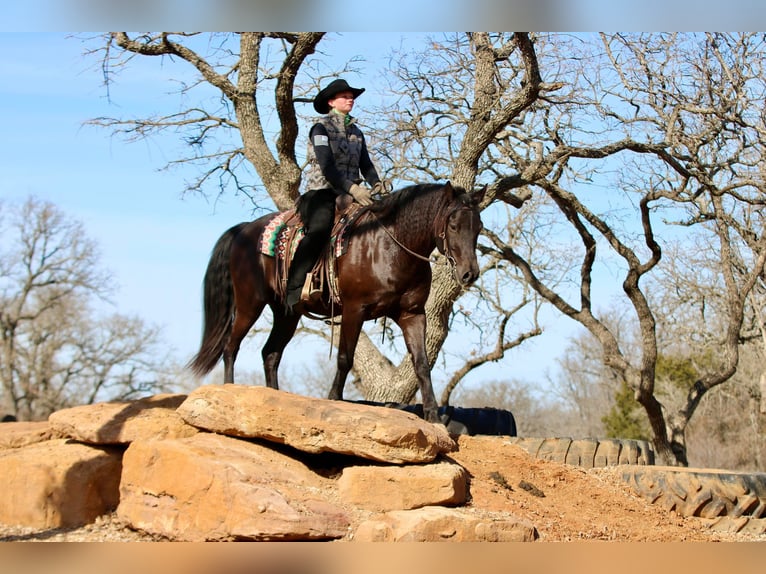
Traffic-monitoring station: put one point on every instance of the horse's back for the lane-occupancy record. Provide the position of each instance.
(252, 271)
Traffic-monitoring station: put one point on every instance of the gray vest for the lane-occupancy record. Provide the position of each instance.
(346, 143)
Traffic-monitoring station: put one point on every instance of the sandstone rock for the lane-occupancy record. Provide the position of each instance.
(403, 487)
(315, 425)
(213, 487)
(435, 524)
(19, 434)
(123, 422)
(58, 483)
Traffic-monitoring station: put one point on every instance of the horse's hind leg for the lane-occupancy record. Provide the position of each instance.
(281, 333)
(244, 319)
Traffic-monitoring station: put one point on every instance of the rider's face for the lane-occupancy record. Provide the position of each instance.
(342, 101)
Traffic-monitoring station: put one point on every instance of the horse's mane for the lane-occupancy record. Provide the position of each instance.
(394, 201)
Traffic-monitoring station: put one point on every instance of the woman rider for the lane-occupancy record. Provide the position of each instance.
(338, 162)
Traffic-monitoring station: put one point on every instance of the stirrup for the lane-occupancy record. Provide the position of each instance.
(309, 293)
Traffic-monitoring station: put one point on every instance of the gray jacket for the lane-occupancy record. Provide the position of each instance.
(349, 161)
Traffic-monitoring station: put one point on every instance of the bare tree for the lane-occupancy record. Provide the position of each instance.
(585, 384)
(687, 145)
(713, 131)
(260, 74)
(534, 415)
(647, 115)
(232, 130)
(456, 97)
(619, 143)
(55, 351)
(728, 429)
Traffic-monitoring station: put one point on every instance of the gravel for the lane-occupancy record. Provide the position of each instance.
(107, 528)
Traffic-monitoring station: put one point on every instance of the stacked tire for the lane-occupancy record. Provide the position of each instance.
(588, 452)
(732, 501)
(707, 493)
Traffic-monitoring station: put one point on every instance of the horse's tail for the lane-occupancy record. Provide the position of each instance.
(218, 302)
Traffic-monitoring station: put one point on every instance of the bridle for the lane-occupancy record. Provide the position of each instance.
(442, 235)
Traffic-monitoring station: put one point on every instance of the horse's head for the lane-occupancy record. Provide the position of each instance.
(458, 238)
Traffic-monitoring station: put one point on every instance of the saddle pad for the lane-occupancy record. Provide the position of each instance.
(274, 235)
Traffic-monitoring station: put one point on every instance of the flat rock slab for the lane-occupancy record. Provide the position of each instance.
(20, 434)
(316, 425)
(123, 422)
(438, 524)
(213, 487)
(58, 483)
(384, 488)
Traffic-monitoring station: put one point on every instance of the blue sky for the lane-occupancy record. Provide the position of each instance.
(155, 243)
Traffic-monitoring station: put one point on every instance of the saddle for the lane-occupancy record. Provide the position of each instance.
(280, 239)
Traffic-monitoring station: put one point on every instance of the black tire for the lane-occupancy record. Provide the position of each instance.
(464, 420)
(706, 493)
(588, 452)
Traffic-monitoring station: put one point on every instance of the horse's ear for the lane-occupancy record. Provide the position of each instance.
(449, 190)
(478, 195)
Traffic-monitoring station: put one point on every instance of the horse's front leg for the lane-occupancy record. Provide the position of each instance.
(350, 327)
(413, 327)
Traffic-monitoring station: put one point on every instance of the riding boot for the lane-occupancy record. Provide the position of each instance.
(316, 208)
(293, 293)
(292, 298)
(305, 256)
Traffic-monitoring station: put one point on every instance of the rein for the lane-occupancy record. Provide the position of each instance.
(399, 243)
(442, 236)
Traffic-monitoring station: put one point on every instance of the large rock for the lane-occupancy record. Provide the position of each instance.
(438, 524)
(213, 487)
(123, 422)
(58, 483)
(316, 425)
(403, 487)
(19, 434)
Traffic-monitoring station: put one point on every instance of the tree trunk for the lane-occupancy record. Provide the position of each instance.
(383, 382)
(281, 179)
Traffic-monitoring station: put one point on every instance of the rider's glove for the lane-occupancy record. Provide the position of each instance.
(360, 194)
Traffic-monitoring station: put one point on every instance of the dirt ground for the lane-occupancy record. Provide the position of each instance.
(564, 503)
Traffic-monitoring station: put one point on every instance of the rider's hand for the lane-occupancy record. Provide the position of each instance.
(361, 194)
(381, 189)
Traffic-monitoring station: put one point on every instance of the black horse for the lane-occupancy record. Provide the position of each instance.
(385, 271)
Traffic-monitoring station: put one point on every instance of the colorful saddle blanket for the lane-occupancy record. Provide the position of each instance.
(274, 239)
(278, 241)
(281, 237)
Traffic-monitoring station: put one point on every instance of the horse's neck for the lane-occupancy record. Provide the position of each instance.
(419, 228)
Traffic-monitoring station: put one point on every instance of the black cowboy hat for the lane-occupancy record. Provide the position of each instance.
(334, 87)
